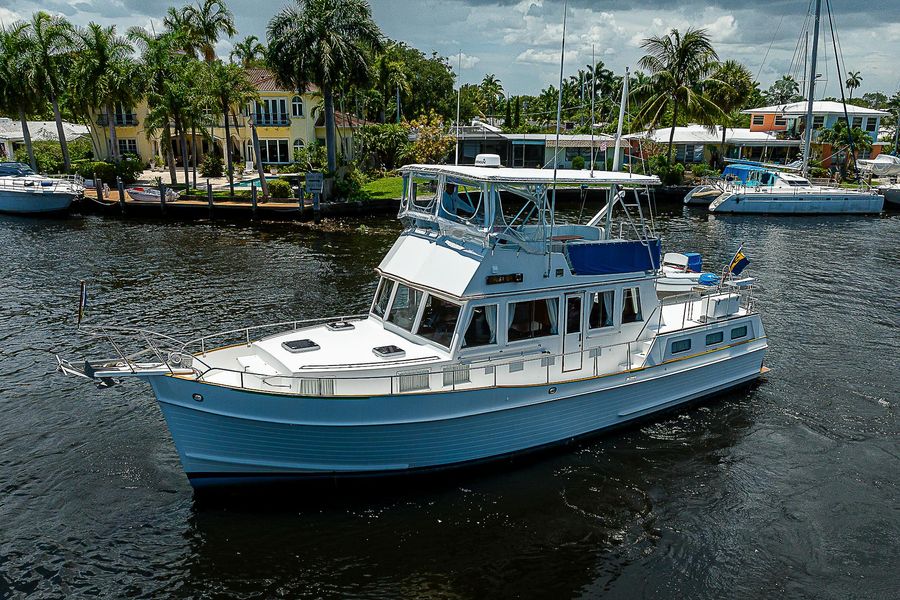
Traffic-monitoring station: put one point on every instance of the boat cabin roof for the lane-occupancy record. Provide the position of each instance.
(533, 176)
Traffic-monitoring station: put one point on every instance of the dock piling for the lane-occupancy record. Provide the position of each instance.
(162, 196)
(120, 186)
(209, 199)
(253, 198)
(98, 185)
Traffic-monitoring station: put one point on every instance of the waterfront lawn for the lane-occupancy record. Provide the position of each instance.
(385, 188)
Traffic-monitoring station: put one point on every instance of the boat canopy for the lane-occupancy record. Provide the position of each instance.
(534, 176)
(741, 172)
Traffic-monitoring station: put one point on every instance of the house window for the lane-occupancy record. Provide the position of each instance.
(272, 112)
(714, 338)
(871, 124)
(482, 329)
(128, 146)
(758, 119)
(631, 306)
(780, 121)
(681, 346)
(297, 106)
(739, 332)
(601, 309)
(533, 318)
(857, 123)
(274, 151)
(818, 122)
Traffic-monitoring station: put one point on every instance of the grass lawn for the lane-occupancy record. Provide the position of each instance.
(388, 187)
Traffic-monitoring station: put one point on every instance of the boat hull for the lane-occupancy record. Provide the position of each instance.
(797, 204)
(891, 195)
(27, 203)
(235, 436)
(702, 195)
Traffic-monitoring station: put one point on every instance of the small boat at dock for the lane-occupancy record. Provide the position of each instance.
(150, 194)
(23, 192)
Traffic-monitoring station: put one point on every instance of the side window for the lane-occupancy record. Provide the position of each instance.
(533, 318)
(739, 332)
(680, 346)
(601, 309)
(379, 307)
(482, 329)
(405, 307)
(714, 338)
(438, 320)
(631, 305)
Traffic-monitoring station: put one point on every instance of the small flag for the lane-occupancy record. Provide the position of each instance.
(82, 301)
(739, 262)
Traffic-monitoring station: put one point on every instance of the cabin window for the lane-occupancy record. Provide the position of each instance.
(461, 202)
(421, 194)
(714, 338)
(818, 122)
(739, 332)
(482, 329)
(297, 106)
(382, 296)
(631, 306)
(857, 122)
(681, 346)
(439, 319)
(601, 309)
(533, 318)
(405, 307)
(780, 121)
(871, 124)
(758, 119)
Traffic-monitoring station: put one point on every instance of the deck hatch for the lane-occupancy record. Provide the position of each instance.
(298, 346)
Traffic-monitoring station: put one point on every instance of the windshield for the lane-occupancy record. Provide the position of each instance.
(438, 320)
(15, 169)
(405, 307)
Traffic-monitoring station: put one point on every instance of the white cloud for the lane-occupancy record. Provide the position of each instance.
(8, 16)
(467, 62)
(545, 57)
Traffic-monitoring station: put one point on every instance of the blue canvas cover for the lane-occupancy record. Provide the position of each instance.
(740, 172)
(613, 256)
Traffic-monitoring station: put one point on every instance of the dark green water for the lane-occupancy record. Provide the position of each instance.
(788, 489)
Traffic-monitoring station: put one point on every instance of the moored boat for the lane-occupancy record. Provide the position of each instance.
(150, 194)
(495, 329)
(26, 193)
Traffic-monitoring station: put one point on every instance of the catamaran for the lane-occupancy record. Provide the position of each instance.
(22, 191)
(495, 330)
(776, 192)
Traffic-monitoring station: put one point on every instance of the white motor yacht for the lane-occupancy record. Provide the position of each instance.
(24, 192)
(885, 165)
(495, 330)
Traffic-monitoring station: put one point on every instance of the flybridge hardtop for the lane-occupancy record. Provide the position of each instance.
(494, 329)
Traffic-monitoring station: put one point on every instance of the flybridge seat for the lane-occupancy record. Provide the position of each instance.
(688, 261)
(609, 257)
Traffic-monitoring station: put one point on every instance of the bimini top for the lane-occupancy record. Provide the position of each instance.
(534, 176)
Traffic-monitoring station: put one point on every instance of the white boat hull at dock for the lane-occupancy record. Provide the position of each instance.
(786, 202)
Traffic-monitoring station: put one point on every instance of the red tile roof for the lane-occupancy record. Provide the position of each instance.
(342, 120)
(265, 81)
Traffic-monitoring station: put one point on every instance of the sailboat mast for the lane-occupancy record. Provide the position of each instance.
(458, 102)
(812, 90)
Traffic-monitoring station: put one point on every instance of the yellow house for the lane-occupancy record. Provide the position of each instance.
(284, 121)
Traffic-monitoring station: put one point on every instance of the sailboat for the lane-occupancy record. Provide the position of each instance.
(776, 192)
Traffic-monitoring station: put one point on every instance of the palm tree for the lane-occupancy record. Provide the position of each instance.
(491, 89)
(854, 80)
(679, 66)
(326, 43)
(248, 53)
(733, 84)
(104, 74)
(229, 86)
(206, 21)
(854, 141)
(390, 76)
(51, 37)
(783, 91)
(17, 85)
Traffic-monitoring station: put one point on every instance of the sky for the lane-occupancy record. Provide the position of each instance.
(519, 41)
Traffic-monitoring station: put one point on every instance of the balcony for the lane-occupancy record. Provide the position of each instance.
(121, 120)
(268, 120)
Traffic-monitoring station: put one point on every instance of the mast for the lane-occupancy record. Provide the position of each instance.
(804, 170)
(593, 94)
(562, 61)
(458, 100)
(616, 161)
(607, 227)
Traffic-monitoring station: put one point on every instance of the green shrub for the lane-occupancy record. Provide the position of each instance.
(48, 155)
(348, 185)
(211, 165)
(279, 188)
(128, 168)
(578, 163)
(669, 174)
(704, 170)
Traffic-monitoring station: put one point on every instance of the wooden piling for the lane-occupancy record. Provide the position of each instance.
(162, 196)
(120, 186)
(209, 199)
(253, 198)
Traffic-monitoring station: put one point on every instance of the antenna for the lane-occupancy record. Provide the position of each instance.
(458, 100)
(593, 94)
(562, 61)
